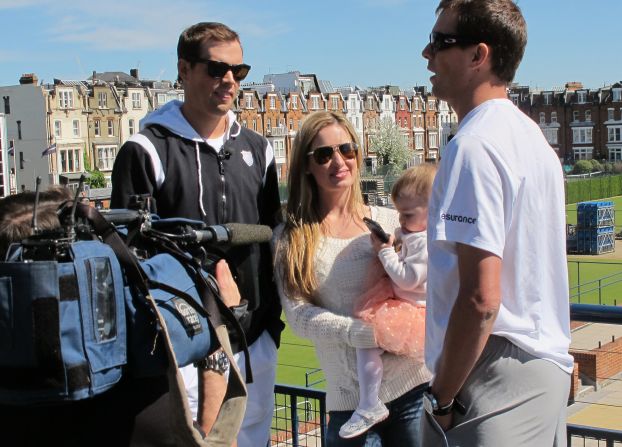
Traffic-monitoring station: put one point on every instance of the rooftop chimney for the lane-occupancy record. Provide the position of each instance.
(28, 78)
(134, 73)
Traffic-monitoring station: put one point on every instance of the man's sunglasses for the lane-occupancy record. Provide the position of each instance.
(218, 70)
(323, 154)
(442, 41)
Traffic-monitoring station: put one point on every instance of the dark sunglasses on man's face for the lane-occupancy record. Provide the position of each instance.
(323, 154)
(442, 41)
(218, 70)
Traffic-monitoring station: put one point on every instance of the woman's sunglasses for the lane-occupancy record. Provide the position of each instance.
(218, 70)
(323, 154)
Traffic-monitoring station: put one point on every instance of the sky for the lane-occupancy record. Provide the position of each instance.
(348, 42)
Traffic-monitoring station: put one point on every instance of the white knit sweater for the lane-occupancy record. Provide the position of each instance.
(346, 268)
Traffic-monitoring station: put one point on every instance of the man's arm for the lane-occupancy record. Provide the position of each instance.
(212, 384)
(470, 323)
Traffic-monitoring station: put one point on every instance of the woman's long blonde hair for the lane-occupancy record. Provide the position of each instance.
(302, 232)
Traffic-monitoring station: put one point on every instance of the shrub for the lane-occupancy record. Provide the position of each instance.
(582, 167)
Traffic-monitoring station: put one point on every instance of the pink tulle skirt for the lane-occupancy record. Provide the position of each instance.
(399, 325)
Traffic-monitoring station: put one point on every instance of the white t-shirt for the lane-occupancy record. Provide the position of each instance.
(500, 188)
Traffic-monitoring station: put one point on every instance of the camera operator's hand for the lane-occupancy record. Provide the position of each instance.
(228, 288)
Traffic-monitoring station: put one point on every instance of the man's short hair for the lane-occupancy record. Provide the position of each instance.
(16, 214)
(498, 23)
(191, 39)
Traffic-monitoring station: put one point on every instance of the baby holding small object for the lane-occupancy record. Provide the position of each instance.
(395, 306)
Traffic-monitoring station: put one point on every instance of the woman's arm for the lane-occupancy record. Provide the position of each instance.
(318, 324)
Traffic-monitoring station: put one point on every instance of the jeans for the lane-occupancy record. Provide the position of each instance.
(400, 429)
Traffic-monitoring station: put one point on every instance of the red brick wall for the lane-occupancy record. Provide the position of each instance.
(600, 364)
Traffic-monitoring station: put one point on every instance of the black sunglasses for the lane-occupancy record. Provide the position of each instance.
(323, 154)
(217, 69)
(442, 41)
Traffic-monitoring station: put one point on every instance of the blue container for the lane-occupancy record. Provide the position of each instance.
(595, 214)
(595, 241)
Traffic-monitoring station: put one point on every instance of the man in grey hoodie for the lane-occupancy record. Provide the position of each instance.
(198, 162)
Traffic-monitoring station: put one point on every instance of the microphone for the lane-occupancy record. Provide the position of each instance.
(231, 234)
(224, 155)
(121, 216)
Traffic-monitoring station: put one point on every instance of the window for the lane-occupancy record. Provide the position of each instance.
(315, 101)
(588, 115)
(110, 128)
(58, 129)
(335, 101)
(554, 117)
(136, 99)
(582, 135)
(291, 124)
(279, 148)
(255, 125)
(269, 124)
(132, 127)
(402, 103)
(514, 98)
(582, 97)
(65, 99)
(161, 99)
(105, 157)
(97, 127)
(610, 115)
(613, 134)
(182, 97)
(370, 103)
(617, 94)
(272, 102)
(352, 103)
(76, 128)
(416, 104)
(248, 100)
(294, 102)
(542, 118)
(547, 99)
(418, 141)
(575, 115)
(431, 105)
(70, 159)
(550, 135)
(582, 153)
(615, 154)
(102, 100)
(7, 105)
(433, 138)
(19, 129)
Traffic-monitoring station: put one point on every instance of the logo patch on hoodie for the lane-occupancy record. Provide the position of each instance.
(247, 157)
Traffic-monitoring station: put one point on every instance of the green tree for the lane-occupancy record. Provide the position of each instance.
(95, 177)
(390, 145)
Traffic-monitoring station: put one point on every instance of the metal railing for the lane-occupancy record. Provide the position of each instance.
(300, 416)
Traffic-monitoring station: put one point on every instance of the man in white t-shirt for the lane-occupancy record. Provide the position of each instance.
(497, 311)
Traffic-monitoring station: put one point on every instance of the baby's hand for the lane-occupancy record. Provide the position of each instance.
(379, 245)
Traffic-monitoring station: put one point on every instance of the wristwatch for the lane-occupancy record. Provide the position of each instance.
(218, 362)
(432, 407)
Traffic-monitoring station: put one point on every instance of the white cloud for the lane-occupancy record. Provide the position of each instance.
(145, 24)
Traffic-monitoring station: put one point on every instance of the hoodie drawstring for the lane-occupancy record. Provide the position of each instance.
(196, 148)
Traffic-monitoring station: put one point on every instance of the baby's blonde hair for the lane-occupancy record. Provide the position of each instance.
(415, 182)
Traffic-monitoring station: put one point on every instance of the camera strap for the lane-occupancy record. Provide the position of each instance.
(231, 413)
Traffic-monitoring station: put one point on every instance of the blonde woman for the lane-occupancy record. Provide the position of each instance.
(324, 262)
